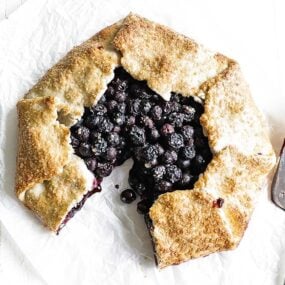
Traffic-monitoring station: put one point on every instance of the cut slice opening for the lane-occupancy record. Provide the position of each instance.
(164, 138)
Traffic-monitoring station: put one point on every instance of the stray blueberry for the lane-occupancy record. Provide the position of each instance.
(128, 196)
(143, 207)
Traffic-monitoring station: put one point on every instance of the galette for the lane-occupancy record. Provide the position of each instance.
(184, 115)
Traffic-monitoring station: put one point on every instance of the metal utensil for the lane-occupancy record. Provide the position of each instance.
(278, 183)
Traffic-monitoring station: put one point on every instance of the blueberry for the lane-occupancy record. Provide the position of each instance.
(149, 153)
(149, 164)
(82, 133)
(145, 106)
(99, 146)
(137, 90)
(155, 97)
(159, 149)
(128, 196)
(137, 136)
(158, 172)
(169, 157)
(146, 122)
(199, 164)
(154, 135)
(121, 107)
(166, 129)
(163, 186)
(74, 142)
(99, 110)
(187, 152)
(110, 92)
(189, 113)
(94, 136)
(175, 97)
(84, 150)
(156, 113)
(122, 143)
(143, 207)
(116, 129)
(173, 173)
(175, 140)
(111, 105)
(183, 163)
(169, 107)
(134, 106)
(189, 142)
(91, 122)
(105, 125)
(187, 132)
(111, 153)
(187, 180)
(102, 99)
(138, 186)
(130, 120)
(91, 163)
(120, 96)
(104, 169)
(176, 119)
(118, 118)
(113, 139)
(120, 84)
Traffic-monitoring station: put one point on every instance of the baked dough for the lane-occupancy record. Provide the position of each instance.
(51, 179)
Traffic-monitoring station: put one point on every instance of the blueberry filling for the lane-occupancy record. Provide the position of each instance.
(79, 205)
(128, 196)
(164, 138)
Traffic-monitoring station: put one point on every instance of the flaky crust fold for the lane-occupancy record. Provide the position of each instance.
(185, 224)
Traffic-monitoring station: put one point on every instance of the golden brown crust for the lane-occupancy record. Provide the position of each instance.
(231, 117)
(55, 102)
(52, 205)
(166, 60)
(81, 77)
(39, 132)
(188, 224)
(185, 223)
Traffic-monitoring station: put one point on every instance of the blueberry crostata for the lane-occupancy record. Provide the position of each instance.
(138, 90)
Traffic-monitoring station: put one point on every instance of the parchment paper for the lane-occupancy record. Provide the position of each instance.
(107, 241)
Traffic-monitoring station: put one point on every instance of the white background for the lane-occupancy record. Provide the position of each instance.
(250, 31)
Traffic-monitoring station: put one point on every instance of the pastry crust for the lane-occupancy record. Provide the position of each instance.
(166, 60)
(45, 156)
(185, 224)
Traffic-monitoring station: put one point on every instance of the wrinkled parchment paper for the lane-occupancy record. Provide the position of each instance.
(107, 242)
